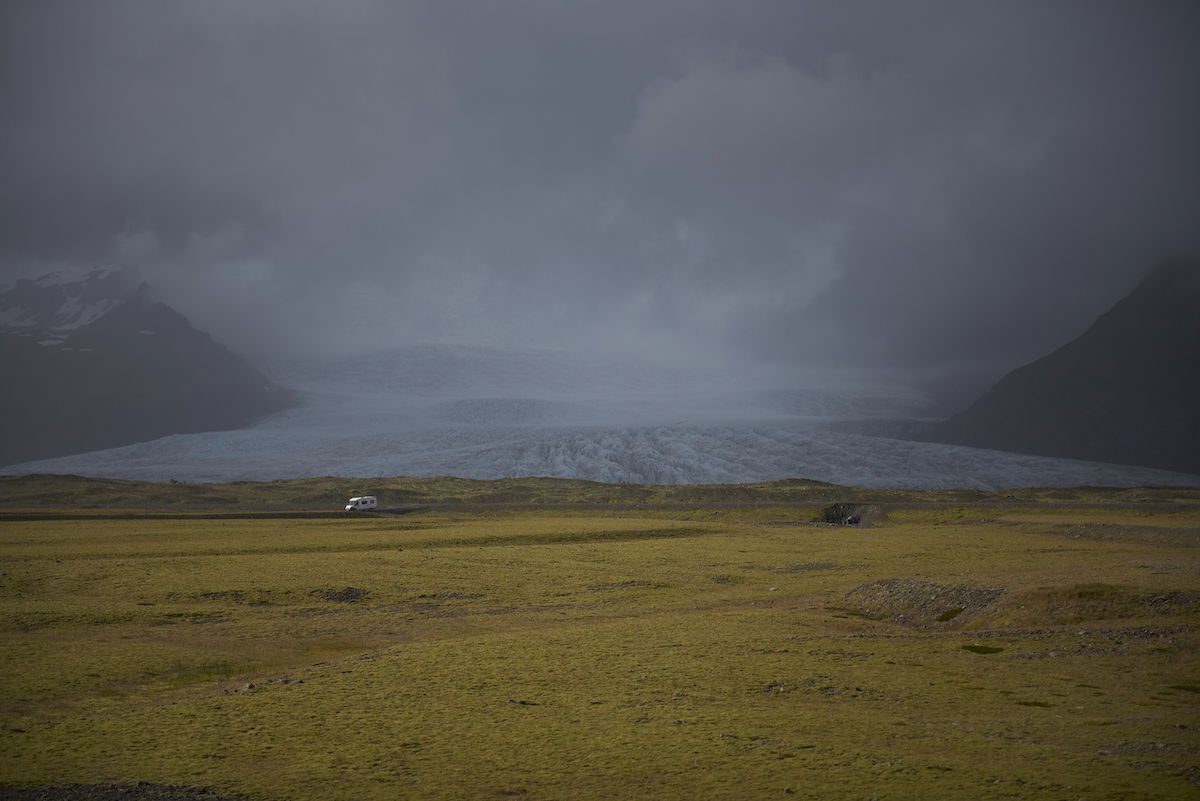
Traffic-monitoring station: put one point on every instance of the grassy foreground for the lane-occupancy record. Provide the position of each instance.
(564, 640)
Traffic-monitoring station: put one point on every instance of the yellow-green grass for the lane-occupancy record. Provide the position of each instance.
(715, 652)
(52, 494)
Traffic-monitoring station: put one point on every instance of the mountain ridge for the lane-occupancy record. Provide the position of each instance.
(1125, 391)
(97, 363)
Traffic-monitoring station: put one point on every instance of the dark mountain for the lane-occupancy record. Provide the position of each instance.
(95, 363)
(1126, 391)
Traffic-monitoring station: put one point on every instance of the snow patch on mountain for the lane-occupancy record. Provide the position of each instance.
(60, 303)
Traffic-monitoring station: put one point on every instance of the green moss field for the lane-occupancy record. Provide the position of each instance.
(542, 639)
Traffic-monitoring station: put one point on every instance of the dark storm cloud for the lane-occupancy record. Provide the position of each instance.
(925, 187)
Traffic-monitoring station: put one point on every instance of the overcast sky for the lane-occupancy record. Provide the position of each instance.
(924, 187)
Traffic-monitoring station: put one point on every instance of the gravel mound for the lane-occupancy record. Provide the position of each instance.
(921, 603)
(852, 514)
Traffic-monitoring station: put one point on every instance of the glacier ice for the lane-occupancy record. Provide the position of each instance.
(479, 413)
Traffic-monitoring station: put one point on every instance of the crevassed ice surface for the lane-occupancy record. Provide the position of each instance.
(652, 454)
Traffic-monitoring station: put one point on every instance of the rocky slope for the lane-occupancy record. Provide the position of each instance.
(95, 363)
(1127, 391)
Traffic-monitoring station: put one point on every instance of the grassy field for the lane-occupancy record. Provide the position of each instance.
(565, 640)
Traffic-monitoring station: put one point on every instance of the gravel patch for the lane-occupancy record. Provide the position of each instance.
(921, 603)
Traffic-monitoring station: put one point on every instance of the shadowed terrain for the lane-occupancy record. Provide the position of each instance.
(1126, 391)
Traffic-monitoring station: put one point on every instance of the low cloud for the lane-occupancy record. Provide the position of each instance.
(953, 188)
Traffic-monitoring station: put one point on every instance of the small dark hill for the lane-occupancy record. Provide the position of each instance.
(91, 365)
(1127, 391)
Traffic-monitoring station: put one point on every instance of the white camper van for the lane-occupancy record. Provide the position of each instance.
(361, 503)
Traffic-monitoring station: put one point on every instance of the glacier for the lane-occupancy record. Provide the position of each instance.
(486, 413)
(295, 445)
